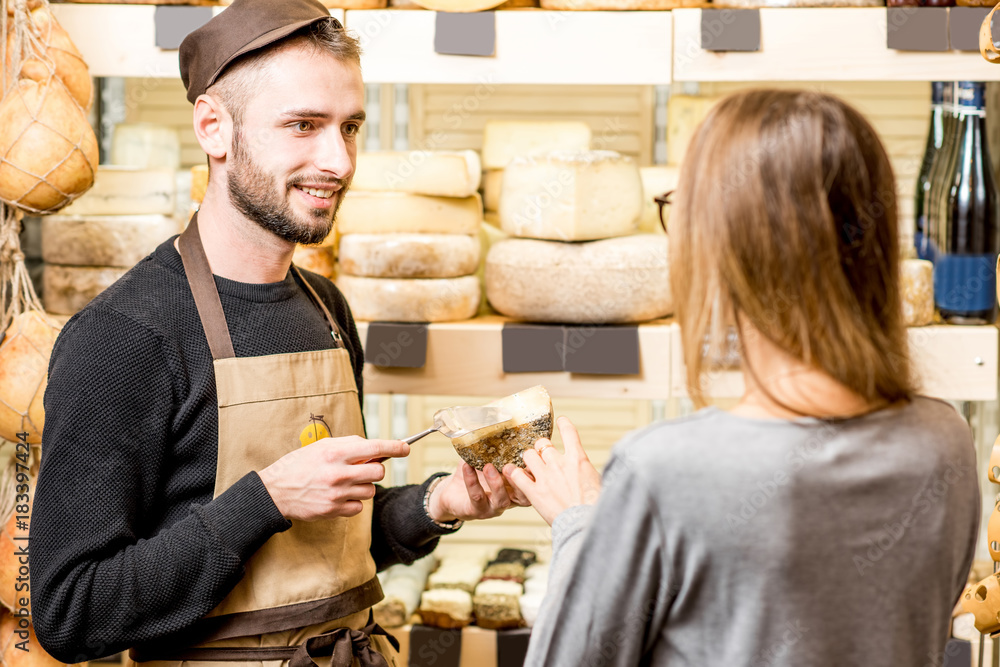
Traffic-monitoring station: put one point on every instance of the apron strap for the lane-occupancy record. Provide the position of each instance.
(206, 295)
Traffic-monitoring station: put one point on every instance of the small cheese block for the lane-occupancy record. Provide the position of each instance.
(522, 556)
(437, 173)
(457, 574)
(612, 281)
(199, 182)
(397, 212)
(571, 196)
(655, 182)
(402, 586)
(146, 146)
(505, 140)
(409, 255)
(684, 114)
(495, 604)
(507, 571)
(531, 419)
(318, 259)
(67, 289)
(530, 604)
(611, 5)
(103, 240)
(443, 608)
(127, 191)
(492, 184)
(917, 283)
(411, 299)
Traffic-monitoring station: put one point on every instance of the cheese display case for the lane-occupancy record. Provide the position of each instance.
(512, 189)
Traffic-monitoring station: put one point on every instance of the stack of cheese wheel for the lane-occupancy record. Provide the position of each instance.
(505, 140)
(409, 247)
(94, 241)
(578, 259)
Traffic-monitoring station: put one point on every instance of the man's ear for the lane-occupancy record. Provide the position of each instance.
(213, 126)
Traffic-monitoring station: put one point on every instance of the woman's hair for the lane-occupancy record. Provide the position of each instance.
(785, 220)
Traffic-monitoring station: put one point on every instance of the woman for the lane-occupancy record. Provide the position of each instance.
(830, 518)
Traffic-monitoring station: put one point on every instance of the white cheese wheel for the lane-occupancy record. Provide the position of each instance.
(917, 282)
(438, 173)
(655, 182)
(318, 259)
(505, 140)
(571, 196)
(445, 608)
(127, 191)
(602, 282)
(104, 240)
(397, 212)
(684, 114)
(492, 185)
(146, 146)
(411, 299)
(409, 255)
(67, 289)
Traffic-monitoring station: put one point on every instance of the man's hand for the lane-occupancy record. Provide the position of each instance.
(330, 477)
(467, 494)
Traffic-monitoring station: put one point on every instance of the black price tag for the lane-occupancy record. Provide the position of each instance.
(730, 29)
(173, 24)
(392, 345)
(465, 34)
(957, 653)
(533, 348)
(434, 646)
(917, 28)
(605, 350)
(512, 647)
(963, 27)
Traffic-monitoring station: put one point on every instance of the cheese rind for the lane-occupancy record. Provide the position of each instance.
(505, 140)
(917, 287)
(655, 182)
(398, 212)
(571, 196)
(105, 240)
(411, 299)
(531, 419)
(409, 255)
(437, 173)
(67, 289)
(444, 608)
(127, 191)
(602, 282)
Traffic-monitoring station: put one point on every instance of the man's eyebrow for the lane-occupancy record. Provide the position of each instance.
(322, 115)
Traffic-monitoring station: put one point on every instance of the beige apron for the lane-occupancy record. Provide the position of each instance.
(316, 581)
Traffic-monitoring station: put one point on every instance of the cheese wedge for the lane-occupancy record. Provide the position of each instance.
(397, 212)
(411, 299)
(127, 191)
(104, 240)
(571, 196)
(531, 419)
(438, 173)
(505, 140)
(409, 255)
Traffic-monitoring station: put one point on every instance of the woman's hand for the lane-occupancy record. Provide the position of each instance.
(557, 481)
(469, 494)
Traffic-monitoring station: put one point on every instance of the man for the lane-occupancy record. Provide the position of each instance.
(176, 514)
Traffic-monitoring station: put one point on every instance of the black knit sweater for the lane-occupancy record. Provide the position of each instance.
(127, 544)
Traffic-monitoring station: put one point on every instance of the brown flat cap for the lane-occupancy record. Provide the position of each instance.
(244, 26)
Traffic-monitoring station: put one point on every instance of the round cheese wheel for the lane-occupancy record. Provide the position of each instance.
(67, 289)
(103, 240)
(24, 364)
(617, 280)
(409, 255)
(411, 299)
(318, 259)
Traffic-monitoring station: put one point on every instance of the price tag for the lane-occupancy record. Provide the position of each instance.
(917, 28)
(963, 27)
(444, 646)
(173, 24)
(392, 345)
(533, 348)
(465, 34)
(730, 29)
(603, 350)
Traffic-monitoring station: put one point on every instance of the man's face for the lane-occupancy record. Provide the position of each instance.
(293, 157)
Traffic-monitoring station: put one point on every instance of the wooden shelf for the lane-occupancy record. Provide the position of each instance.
(821, 44)
(465, 359)
(532, 47)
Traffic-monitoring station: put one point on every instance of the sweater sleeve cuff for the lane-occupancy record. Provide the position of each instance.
(244, 516)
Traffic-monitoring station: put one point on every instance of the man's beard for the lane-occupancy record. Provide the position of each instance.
(252, 192)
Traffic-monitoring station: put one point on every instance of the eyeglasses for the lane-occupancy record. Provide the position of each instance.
(664, 200)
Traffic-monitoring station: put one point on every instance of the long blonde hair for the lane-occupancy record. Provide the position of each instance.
(786, 220)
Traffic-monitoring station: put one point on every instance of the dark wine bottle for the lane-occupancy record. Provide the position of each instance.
(935, 138)
(965, 267)
(934, 208)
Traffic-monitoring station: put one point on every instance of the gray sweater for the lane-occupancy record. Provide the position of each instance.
(726, 540)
